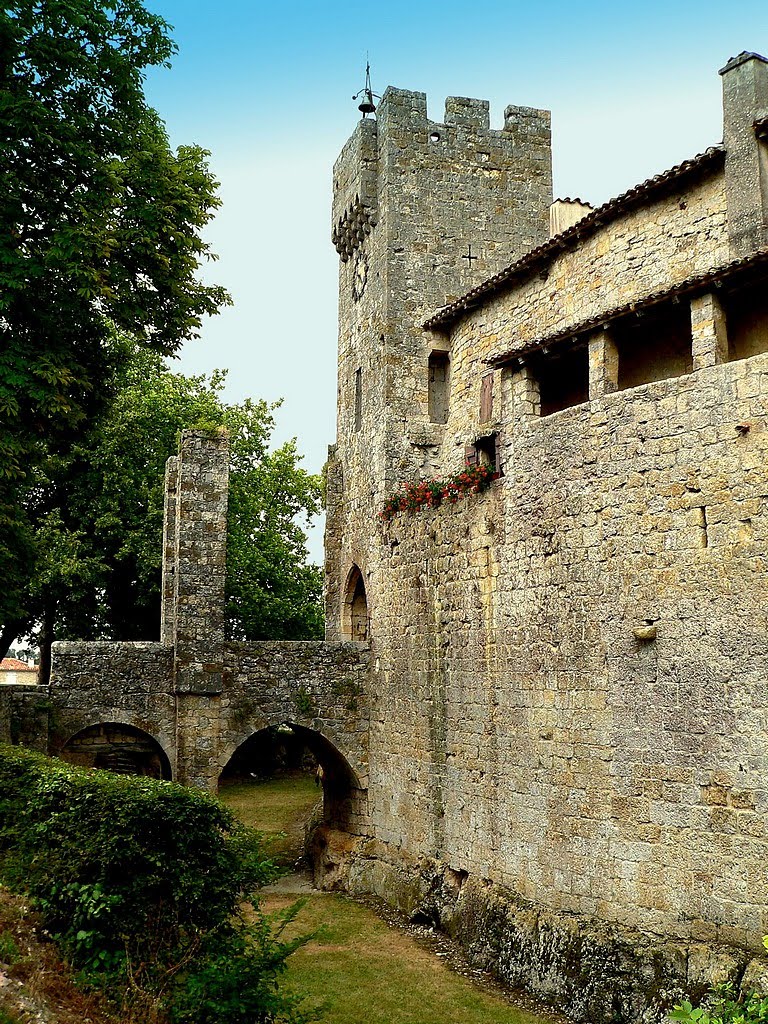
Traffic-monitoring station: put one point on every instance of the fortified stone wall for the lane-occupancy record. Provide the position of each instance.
(321, 690)
(410, 197)
(568, 703)
(571, 697)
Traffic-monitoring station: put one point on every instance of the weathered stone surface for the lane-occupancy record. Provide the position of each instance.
(182, 707)
(568, 671)
(755, 977)
(24, 714)
(553, 743)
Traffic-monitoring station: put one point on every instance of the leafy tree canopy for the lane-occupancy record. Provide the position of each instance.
(98, 515)
(100, 226)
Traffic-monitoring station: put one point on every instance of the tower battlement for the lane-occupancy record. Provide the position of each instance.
(463, 139)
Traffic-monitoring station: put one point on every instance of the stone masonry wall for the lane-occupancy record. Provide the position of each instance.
(568, 740)
(523, 731)
(24, 711)
(123, 683)
(640, 253)
(410, 196)
(193, 694)
(320, 687)
(316, 685)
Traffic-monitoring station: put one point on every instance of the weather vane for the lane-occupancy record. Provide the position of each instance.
(366, 105)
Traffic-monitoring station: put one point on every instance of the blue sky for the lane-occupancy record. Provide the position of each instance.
(267, 89)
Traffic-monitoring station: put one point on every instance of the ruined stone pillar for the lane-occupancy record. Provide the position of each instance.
(200, 559)
(708, 331)
(195, 567)
(603, 365)
(745, 104)
(168, 594)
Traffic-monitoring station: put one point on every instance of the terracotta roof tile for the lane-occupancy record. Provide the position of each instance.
(14, 665)
(729, 272)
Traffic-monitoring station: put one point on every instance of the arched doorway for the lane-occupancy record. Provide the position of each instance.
(291, 779)
(119, 748)
(274, 750)
(354, 620)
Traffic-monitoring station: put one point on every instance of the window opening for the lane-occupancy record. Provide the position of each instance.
(358, 398)
(746, 319)
(439, 380)
(563, 379)
(655, 346)
(484, 452)
(355, 623)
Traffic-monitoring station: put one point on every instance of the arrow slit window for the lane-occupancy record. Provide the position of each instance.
(358, 398)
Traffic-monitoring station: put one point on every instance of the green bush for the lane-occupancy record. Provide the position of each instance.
(724, 1005)
(141, 882)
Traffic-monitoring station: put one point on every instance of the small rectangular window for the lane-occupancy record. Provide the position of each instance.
(483, 453)
(358, 398)
(439, 381)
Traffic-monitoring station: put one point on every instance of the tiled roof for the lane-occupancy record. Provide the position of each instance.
(728, 273)
(533, 260)
(14, 665)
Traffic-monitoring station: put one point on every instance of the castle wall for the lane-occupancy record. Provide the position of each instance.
(411, 196)
(650, 249)
(525, 733)
(194, 694)
(569, 717)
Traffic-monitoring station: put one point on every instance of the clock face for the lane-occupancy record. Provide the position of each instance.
(359, 277)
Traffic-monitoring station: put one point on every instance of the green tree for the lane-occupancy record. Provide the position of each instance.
(272, 593)
(100, 226)
(98, 515)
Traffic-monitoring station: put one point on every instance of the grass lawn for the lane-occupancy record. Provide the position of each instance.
(367, 972)
(279, 805)
(362, 969)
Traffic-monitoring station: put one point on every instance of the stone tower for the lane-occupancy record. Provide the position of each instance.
(422, 212)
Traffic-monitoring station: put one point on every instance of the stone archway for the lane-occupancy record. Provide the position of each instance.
(355, 623)
(326, 832)
(343, 797)
(273, 749)
(117, 747)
